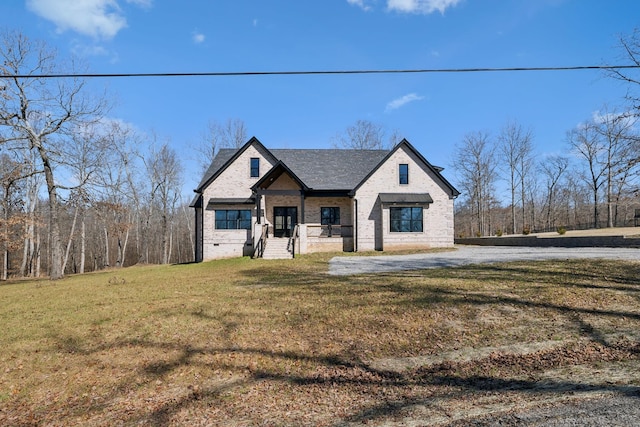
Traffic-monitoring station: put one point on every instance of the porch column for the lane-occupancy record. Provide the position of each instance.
(302, 221)
(259, 208)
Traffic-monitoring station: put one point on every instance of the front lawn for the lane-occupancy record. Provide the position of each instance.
(258, 342)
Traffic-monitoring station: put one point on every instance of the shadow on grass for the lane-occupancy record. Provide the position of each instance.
(388, 393)
(418, 387)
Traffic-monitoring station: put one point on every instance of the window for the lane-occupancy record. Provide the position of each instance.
(403, 174)
(255, 167)
(330, 216)
(406, 220)
(233, 219)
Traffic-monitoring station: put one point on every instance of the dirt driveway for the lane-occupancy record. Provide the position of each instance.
(464, 255)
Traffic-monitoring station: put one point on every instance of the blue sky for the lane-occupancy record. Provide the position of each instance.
(433, 111)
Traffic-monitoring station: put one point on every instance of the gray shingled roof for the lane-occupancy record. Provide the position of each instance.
(332, 169)
(321, 169)
(328, 169)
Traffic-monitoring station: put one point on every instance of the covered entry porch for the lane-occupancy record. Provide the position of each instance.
(311, 221)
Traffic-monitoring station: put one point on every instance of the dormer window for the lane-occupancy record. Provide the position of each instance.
(255, 167)
(403, 174)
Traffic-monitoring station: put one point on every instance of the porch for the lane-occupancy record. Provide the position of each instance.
(302, 239)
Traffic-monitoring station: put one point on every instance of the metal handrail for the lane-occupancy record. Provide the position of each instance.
(258, 251)
(292, 240)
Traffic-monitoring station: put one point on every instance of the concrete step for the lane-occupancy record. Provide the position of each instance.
(276, 248)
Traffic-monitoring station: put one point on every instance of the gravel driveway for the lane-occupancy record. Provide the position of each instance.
(464, 255)
(612, 411)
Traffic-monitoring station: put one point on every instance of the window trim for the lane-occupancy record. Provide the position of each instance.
(332, 216)
(254, 170)
(230, 221)
(411, 220)
(404, 175)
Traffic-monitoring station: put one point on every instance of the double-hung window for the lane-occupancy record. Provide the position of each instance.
(233, 219)
(403, 174)
(255, 167)
(405, 220)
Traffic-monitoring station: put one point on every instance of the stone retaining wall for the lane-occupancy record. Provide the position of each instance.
(558, 242)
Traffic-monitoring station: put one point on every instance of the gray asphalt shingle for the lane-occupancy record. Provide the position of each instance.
(328, 169)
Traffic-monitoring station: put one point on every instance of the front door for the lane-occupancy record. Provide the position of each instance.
(284, 219)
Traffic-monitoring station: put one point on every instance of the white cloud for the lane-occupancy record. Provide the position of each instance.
(626, 119)
(360, 3)
(95, 18)
(141, 3)
(198, 37)
(420, 6)
(402, 101)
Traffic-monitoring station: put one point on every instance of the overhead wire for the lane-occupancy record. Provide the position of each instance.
(319, 72)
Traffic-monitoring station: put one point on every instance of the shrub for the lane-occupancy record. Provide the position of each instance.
(561, 230)
(526, 230)
(499, 232)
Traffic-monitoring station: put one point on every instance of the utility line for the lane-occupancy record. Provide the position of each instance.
(324, 72)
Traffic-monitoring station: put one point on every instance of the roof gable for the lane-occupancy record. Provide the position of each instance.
(224, 158)
(404, 143)
(276, 171)
(319, 169)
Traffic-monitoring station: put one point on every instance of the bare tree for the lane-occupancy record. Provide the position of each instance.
(31, 251)
(552, 168)
(41, 113)
(619, 144)
(585, 141)
(364, 135)
(516, 150)
(475, 163)
(10, 176)
(230, 134)
(630, 52)
(164, 171)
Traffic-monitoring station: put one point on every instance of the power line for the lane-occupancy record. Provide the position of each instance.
(321, 72)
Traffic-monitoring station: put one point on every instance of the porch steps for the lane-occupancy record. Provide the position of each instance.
(276, 248)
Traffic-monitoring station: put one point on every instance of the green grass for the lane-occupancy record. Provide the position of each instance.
(255, 342)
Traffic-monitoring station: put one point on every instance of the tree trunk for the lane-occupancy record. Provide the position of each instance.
(55, 250)
(165, 240)
(36, 254)
(82, 245)
(124, 247)
(73, 230)
(106, 247)
(190, 231)
(5, 249)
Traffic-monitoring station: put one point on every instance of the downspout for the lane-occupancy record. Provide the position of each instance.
(198, 249)
(355, 225)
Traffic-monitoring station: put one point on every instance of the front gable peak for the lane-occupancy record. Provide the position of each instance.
(227, 157)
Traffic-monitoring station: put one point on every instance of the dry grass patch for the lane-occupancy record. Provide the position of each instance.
(257, 342)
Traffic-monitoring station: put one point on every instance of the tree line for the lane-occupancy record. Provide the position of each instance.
(596, 183)
(82, 192)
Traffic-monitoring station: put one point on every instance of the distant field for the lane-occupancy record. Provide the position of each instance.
(256, 342)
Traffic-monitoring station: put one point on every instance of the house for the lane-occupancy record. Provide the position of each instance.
(276, 203)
